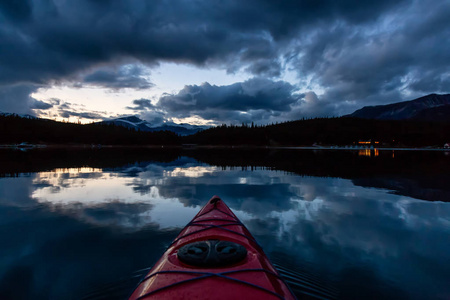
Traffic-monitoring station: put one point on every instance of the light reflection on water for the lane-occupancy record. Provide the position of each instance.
(365, 242)
(369, 152)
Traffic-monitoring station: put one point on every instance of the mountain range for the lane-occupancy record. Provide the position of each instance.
(432, 107)
(138, 124)
(400, 124)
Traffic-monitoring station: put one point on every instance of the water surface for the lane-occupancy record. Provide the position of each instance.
(337, 224)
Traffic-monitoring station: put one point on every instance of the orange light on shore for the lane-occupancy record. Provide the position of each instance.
(368, 142)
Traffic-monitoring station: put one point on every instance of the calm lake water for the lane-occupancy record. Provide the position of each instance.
(87, 224)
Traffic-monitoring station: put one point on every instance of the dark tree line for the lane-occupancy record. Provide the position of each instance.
(15, 129)
(322, 131)
(329, 131)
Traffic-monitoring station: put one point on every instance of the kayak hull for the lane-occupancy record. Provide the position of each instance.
(253, 277)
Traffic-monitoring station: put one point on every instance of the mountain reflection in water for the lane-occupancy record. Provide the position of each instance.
(336, 224)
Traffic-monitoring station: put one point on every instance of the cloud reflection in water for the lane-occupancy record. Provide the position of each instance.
(347, 232)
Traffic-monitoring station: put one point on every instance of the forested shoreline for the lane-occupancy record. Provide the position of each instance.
(319, 131)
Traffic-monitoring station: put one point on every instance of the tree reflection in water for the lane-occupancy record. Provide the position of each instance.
(335, 223)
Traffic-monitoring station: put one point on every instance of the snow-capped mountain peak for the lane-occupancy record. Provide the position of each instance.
(138, 124)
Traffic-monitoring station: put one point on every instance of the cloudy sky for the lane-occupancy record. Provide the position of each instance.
(217, 61)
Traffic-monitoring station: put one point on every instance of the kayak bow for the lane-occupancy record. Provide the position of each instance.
(213, 257)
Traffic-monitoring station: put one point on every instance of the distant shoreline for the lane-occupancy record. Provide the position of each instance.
(193, 147)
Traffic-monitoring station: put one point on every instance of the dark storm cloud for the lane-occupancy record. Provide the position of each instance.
(127, 76)
(54, 39)
(65, 105)
(352, 67)
(142, 104)
(37, 104)
(17, 99)
(155, 117)
(351, 53)
(409, 53)
(310, 105)
(61, 109)
(55, 101)
(149, 112)
(255, 99)
(16, 10)
(84, 115)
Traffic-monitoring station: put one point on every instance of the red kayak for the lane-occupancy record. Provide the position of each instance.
(214, 257)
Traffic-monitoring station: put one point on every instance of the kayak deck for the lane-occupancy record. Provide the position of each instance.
(252, 277)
